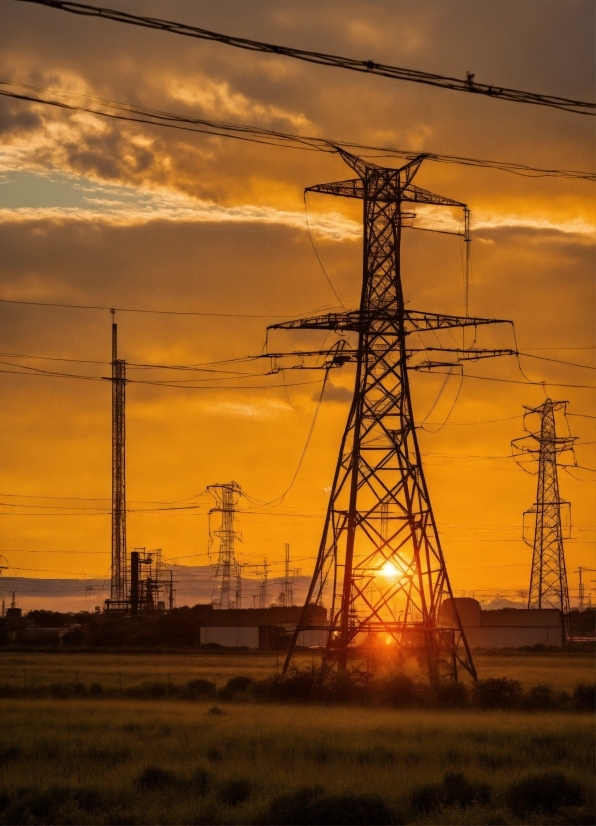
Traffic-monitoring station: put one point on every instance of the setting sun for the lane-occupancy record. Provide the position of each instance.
(389, 571)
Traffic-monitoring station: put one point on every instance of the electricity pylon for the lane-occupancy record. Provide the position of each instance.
(380, 561)
(119, 582)
(226, 497)
(548, 580)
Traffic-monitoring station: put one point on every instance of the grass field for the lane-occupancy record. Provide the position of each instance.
(118, 760)
(560, 669)
(82, 761)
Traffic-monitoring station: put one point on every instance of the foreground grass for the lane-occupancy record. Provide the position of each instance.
(86, 762)
(562, 670)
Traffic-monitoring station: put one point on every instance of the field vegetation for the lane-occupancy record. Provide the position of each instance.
(83, 761)
(216, 737)
(561, 669)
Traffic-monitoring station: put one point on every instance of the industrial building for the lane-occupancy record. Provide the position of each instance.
(505, 627)
(263, 628)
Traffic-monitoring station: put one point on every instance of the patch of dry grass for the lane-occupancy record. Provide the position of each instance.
(560, 669)
(83, 762)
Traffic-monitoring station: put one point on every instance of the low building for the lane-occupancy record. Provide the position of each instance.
(264, 628)
(505, 627)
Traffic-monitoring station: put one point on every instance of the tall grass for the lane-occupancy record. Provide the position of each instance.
(119, 762)
(112, 669)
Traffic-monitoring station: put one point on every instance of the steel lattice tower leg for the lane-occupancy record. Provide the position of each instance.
(227, 566)
(548, 580)
(380, 561)
(119, 584)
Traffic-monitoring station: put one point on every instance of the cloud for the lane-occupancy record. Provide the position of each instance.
(333, 393)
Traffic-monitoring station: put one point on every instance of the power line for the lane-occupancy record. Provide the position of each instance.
(137, 310)
(267, 137)
(366, 66)
(558, 361)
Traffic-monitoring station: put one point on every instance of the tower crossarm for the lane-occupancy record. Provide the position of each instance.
(471, 354)
(419, 321)
(383, 191)
(357, 321)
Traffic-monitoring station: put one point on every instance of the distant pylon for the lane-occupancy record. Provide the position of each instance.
(380, 564)
(548, 580)
(226, 497)
(119, 583)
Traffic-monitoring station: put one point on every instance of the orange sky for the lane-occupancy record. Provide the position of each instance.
(106, 213)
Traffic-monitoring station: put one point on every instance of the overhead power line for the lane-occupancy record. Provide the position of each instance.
(365, 66)
(255, 134)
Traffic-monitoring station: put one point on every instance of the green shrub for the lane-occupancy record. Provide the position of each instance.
(9, 753)
(234, 791)
(200, 781)
(539, 698)
(544, 792)
(455, 790)
(153, 777)
(200, 688)
(584, 696)
(452, 695)
(311, 806)
(497, 692)
(239, 684)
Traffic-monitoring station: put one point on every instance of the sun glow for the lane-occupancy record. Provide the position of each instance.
(389, 571)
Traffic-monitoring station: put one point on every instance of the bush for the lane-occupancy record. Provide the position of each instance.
(239, 684)
(545, 792)
(584, 696)
(200, 781)
(214, 755)
(9, 753)
(96, 689)
(152, 777)
(200, 688)
(398, 690)
(234, 791)
(452, 695)
(310, 806)
(455, 790)
(497, 692)
(57, 804)
(539, 697)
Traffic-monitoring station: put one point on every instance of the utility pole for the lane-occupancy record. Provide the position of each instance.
(226, 497)
(548, 579)
(288, 585)
(119, 583)
(262, 586)
(380, 534)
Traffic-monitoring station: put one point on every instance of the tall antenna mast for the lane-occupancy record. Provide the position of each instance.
(380, 563)
(119, 583)
(548, 579)
(226, 498)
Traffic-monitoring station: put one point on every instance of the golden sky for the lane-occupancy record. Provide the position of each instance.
(108, 213)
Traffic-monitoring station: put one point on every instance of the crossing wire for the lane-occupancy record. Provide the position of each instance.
(468, 84)
(255, 134)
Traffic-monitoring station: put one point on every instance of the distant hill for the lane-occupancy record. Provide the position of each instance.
(193, 584)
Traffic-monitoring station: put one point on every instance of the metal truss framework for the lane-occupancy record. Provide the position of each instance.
(380, 561)
(226, 497)
(548, 580)
(119, 583)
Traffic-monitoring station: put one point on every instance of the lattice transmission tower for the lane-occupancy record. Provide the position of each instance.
(226, 497)
(119, 584)
(550, 514)
(380, 564)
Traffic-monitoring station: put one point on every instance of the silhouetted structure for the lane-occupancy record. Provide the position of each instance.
(548, 580)
(380, 559)
(151, 583)
(226, 496)
(119, 583)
